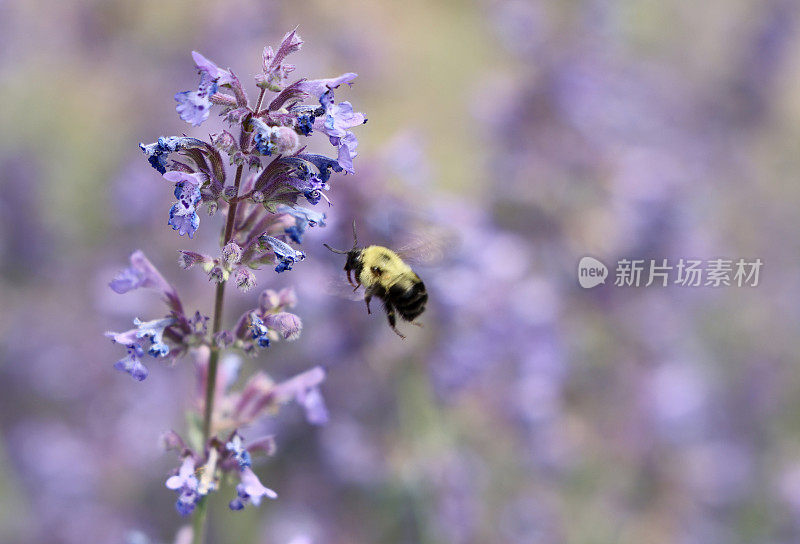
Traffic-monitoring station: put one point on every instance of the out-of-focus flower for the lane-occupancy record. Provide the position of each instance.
(132, 363)
(141, 273)
(154, 331)
(250, 490)
(187, 259)
(134, 339)
(304, 389)
(259, 331)
(287, 324)
(245, 280)
(185, 484)
(240, 454)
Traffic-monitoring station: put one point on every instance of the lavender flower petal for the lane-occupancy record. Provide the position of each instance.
(317, 87)
(285, 254)
(141, 273)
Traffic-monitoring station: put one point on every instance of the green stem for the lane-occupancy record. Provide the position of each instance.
(201, 511)
(199, 521)
(200, 514)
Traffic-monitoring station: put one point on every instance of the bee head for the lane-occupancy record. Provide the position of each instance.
(353, 259)
(353, 255)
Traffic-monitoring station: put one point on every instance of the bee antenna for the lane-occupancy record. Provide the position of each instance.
(355, 236)
(336, 250)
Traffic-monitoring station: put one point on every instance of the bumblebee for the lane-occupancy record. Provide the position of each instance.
(384, 275)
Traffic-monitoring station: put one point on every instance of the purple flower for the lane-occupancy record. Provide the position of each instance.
(239, 452)
(338, 119)
(347, 151)
(197, 179)
(269, 139)
(231, 253)
(286, 324)
(187, 259)
(314, 405)
(304, 218)
(158, 151)
(270, 300)
(304, 389)
(284, 253)
(317, 87)
(262, 137)
(183, 214)
(323, 164)
(134, 339)
(194, 106)
(222, 77)
(290, 43)
(245, 280)
(154, 331)
(305, 123)
(132, 363)
(185, 484)
(141, 273)
(259, 331)
(250, 490)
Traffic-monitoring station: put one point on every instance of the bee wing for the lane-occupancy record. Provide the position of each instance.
(339, 287)
(429, 247)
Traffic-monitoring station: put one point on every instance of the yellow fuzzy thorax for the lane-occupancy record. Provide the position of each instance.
(393, 269)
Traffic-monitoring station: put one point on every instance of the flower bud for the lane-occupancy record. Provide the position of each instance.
(245, 280)
(223, 339)
(253, 163)
(218, 274)
(232, 253)
(268, 300)
(287, 297)
(170, 440)
(286, 324)
(187, 259)
(224, 141)
(286, 140)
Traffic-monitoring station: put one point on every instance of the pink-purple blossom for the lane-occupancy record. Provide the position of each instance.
(141, 273)
(285, 255)
(195, 106)
(183, 214)
(185, 483)
(250, 490)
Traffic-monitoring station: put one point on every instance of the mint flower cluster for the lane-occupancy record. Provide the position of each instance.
(265, 203)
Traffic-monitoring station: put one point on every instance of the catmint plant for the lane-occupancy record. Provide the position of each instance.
(265, 202)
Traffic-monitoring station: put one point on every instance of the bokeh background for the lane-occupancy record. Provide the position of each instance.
(528, 410)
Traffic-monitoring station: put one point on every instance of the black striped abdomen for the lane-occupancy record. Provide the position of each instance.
(409, 302)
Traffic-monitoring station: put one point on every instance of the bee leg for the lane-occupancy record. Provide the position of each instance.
(367, 299)
(349, 279)
(392, 320)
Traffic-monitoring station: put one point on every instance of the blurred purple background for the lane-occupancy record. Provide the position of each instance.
(527, 409)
